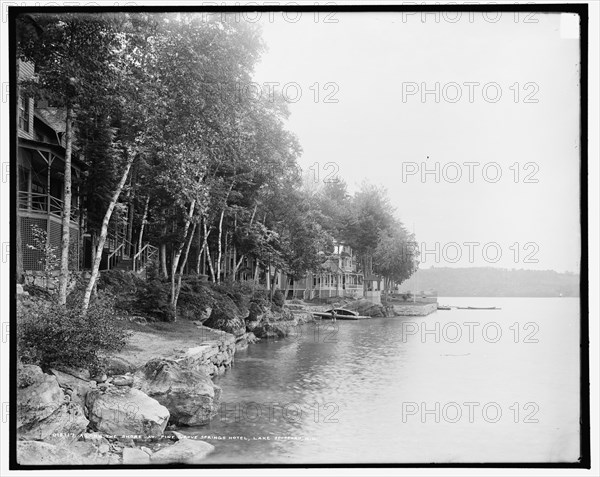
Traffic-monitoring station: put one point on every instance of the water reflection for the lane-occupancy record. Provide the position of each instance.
(345, 394)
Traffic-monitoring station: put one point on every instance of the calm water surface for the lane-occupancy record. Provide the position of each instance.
(442, 388)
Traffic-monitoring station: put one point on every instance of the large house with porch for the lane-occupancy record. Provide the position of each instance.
(40, 168)
(338, 277)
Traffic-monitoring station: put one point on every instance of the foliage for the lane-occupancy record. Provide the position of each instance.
(153, 299)
(217, 166)
(51, 335)
(49, 259)
(395, 256)
(278, 298)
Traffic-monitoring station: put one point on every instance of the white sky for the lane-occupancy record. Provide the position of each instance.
(370, 132)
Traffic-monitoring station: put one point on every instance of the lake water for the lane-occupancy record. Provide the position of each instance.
(454, 386)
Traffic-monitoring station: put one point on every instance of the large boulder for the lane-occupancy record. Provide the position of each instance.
(189, 394)
(44, 411)
(121, 411)
(67, 423)
(366, 308)
(226, 316)
(42, 453)
(186, 451)
(274, 330)
(276, 325)
(38, 396)
(118, 365)
(75, 386)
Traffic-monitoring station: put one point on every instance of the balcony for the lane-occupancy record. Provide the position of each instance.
(43, 205)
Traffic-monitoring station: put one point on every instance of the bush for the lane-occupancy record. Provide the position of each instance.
(193, 301)
(154, 299)
(51, 335)
(124, 285)
(278, 298)
(226, 317)
(261, 298)
(233, 291)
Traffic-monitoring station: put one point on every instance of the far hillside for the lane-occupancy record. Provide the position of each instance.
(488, 281)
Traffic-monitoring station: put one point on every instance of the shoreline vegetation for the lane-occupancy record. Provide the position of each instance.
(127, 406)
(164, 229)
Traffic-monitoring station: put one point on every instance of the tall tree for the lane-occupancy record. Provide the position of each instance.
(72, 58)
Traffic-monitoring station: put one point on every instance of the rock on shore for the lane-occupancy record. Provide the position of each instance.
(126, 411)
(44, 410)
(190, 395)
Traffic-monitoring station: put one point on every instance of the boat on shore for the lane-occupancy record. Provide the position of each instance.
(340, 314)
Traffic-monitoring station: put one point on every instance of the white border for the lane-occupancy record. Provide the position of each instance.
(594, 240)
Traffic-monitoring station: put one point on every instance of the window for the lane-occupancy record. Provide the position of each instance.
(24, 114)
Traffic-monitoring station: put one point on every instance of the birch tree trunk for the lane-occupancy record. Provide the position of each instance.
(178, 253)
(256, 272)
(163, 260)
(274, 281)
(103, 233)
(239, 262)
(207, 251)
(143, 224)
(200, 249)
(221, 233)
(287, 287)
(130, 217)
(66, 218)
(183, 264)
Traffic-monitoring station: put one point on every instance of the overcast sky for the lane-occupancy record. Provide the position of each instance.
(382, 130)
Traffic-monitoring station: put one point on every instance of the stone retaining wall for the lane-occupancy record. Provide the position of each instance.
(213, 357)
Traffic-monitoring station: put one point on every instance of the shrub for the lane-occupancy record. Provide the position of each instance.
(51, 335)
(193, 301)
(154, 299)
(226, 317)
(278, 298)
(124, 285)
(261, 298)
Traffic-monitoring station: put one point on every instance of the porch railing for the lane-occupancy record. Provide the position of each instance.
(144, 256)
(44, 204)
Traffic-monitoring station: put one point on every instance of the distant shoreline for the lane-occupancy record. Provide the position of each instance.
(494, 282)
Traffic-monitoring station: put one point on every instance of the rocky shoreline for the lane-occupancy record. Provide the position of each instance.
(128, 415)
(67, 417)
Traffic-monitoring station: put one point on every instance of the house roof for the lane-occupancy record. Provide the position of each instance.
(57, 149)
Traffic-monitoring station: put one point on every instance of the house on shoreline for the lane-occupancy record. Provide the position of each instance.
(338, 277)
(40, 170)
(40, 197)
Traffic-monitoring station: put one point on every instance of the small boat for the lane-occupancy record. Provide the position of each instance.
(341, 314)
(478, 308)
(444, 307)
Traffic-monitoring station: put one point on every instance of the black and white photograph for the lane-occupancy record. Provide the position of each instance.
(305, 236)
